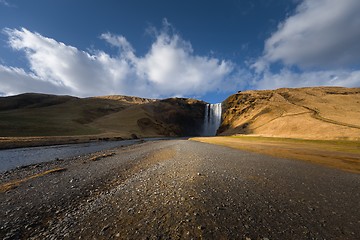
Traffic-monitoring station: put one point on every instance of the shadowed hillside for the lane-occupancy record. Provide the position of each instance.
(168, 117)
(124, 116)
(310, 113)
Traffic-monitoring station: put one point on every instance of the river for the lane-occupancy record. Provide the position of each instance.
(12, 158)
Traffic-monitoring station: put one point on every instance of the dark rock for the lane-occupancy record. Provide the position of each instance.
(134, 136)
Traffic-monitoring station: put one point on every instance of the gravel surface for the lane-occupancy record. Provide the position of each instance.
(179, 189)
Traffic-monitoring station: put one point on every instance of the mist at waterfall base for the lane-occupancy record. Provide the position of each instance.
(212, 119)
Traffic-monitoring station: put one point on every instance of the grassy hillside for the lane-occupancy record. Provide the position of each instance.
(309, 113)
(49, 115)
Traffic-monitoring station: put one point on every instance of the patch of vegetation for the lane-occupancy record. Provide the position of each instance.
(335, 144)
(105, 155)
(344, 155)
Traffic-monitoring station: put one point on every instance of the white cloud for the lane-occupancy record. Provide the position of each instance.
(288, 78)
(80, 72)
(321, 39)
(171, 59)
(321, 34)
(16, 80)
(170, 68)
(120, 42)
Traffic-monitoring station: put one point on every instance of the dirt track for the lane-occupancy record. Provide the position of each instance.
(181, 189)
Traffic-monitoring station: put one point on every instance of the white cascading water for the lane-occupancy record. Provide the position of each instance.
(212, 119)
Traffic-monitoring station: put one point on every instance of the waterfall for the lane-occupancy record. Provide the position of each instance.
(212, 119)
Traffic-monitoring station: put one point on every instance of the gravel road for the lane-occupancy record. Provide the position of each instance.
(180, 189)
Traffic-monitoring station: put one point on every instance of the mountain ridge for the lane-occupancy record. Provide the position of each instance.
(309, 113)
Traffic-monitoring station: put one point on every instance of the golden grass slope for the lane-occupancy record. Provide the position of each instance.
(308, 113)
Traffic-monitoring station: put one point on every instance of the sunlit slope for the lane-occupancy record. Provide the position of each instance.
(311, 113)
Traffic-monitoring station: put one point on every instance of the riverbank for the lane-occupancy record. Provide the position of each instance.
(21, 142)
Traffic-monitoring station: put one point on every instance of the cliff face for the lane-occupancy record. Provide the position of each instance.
(175, 116)
(311, 113)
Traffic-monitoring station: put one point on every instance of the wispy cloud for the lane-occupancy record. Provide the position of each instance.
(169, 68)
(6, 3)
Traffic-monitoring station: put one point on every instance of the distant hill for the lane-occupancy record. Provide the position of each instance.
(34, 114)
(309, 113)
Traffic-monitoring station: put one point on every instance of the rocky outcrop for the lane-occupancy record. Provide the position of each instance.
(180, 116)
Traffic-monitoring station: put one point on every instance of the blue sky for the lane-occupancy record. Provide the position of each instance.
(202, 49)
